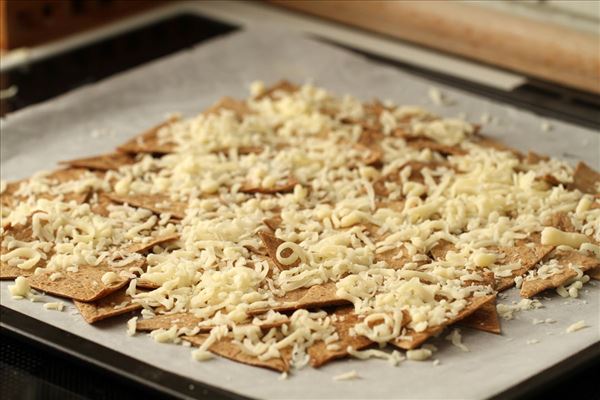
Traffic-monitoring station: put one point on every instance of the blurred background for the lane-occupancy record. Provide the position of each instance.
(536, 51)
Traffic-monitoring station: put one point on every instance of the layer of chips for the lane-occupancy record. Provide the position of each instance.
(289, 224)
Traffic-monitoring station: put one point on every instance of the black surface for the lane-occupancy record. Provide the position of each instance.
(57, 364)
(66, 71)
(38, 361)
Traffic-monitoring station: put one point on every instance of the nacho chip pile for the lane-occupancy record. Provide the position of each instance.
(296, 228)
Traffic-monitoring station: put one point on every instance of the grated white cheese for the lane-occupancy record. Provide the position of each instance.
(456, 339)
(419, 354)
(576, 326)
(56, 306)
(132, 326)
(347, 376)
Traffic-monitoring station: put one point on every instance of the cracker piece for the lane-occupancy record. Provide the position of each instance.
(439, 251)
(316, 296)
(529, 257)
(373, 155)
(227, 349)
(84, 285)
(419, 338)
(190, 321)
(585, 178)
(9, 198)
(146, 284)
(22, 233)
(239, 108)
(484, 318)
(144, 247)
(281, 86)
(271, 243)
(157, 203)
(422, 143)
(346, 319)
(100, 205)
(285, 187)
(273, 223)
(166, 321)
(561, 221)
(242, 150)
(416, 168)
(594, 273)
(105, 162)
(531, 287)
(116, 303)
(534, 158)
(148, 141)
(486, 141)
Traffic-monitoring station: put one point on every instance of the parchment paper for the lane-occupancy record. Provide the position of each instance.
(98, 117)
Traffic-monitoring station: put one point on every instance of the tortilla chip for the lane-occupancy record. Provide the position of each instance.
(416, 175)
(484, 318)
(285, 187)
(227, 349)
(166, 321)
(486, 141)
(373, 154)
(190, 321)
(346, 319)
(22, 233)
(438, 252)
(534, 158)
(271, 243)
(585, 178)
(273, 223)
(594, 273)
(422, 143)
(316, 296)
(148, 142)
(84, 285)
(242, 150)
(531, 287)
(100, 204)
(281, 86)
(116, 303)
(146, 284)
(144, 247)
(529, 257)
(9, 198)
(156, 203)
(419, 338)
(561, 221)
(106, 162)
(239, 108)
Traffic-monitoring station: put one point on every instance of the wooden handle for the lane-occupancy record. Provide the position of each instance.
(538, 49)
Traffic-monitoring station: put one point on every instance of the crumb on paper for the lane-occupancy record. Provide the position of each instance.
(546, 126)
(438, 97)
(56, 306)
(283, 376)
(577, 326)
(202, 355)
(21, 290)
(456, 338)
(436, 362)
(132, 326)
(533, 341)
(419, 354)
(347, 376)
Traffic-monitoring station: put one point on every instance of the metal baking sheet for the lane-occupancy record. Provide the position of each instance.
(94, 119)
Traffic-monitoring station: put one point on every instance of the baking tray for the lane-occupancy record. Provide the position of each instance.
(157, 379)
